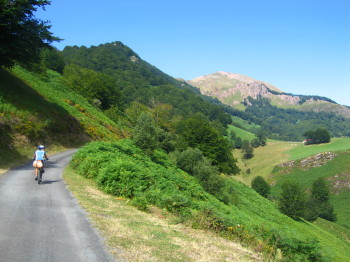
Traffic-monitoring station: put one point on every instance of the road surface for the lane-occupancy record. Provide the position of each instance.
(44, 222)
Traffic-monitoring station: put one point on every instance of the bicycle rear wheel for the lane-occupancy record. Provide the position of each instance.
(40, 174)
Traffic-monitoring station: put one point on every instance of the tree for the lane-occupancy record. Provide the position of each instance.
(247, 149)
(320, 190)
(292, 200)
(23, 36)
(53, 60)
(92, 85)
(318, 136)
(261, 186)
(148, 136)
(238, 142)
(145, 133)
(319, 202)
(197, 132)
(261, 137)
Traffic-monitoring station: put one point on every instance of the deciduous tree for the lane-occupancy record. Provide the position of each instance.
(261, 186)
(292, 200)
(23, 36)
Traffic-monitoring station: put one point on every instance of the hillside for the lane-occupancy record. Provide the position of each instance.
(234, 89)
(252, 219)
(36, 110)
(281, 161)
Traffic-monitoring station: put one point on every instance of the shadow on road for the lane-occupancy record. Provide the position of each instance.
(50, 181)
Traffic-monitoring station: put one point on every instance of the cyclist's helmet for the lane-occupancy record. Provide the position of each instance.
(41, 147)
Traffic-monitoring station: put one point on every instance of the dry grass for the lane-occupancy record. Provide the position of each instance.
(150, 236)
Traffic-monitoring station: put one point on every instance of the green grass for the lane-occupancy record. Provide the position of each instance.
(335, 229)
(264, 160)
(276, 153)
(245, 135)
(341, 206)
(302, 151)
(96, 124)
(244, 124)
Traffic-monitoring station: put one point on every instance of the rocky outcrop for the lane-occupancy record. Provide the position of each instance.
(309, 162)
(340, 183)
(317, 160)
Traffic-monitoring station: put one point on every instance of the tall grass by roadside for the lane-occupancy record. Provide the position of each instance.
(124, 170)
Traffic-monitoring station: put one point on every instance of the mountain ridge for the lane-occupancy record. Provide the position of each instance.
(234, 89)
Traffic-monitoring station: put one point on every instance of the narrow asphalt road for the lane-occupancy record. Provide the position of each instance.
(44, 222)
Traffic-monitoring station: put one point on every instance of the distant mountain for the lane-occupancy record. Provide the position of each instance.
(234, 90)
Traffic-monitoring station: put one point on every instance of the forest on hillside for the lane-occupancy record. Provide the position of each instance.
(289, 124)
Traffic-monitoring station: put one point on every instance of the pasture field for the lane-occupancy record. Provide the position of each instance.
(278, 152)
(245, 135)
(336, 144)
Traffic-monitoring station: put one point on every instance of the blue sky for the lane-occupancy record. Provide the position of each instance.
(301, 47)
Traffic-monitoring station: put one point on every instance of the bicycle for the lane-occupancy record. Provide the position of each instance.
(40, 175)
(40, 170)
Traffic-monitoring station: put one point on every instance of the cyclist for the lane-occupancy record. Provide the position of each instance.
(39, 157)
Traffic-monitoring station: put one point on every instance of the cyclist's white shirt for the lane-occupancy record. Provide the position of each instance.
(39, 155)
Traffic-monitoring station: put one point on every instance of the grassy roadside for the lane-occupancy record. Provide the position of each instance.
(152, 236)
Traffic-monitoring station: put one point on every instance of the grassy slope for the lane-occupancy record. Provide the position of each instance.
(256, 214)
(245, 135)
(244, 124)
(96, 124)
(279, 152)
(265, 158)
(333, 171)
(37, 109)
